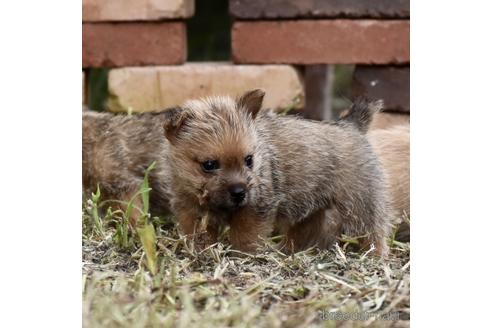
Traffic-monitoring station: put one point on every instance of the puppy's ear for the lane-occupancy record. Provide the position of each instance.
(174, 118)
(251, 101)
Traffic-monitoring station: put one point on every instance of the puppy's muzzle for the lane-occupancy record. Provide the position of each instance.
(237, 193)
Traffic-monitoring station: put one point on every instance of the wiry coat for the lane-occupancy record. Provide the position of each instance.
(328, 166)
(116, 151)
(301, 168)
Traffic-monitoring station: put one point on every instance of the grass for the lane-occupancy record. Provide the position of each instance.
(151, 276)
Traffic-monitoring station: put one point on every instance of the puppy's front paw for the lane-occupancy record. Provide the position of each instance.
(203, 240)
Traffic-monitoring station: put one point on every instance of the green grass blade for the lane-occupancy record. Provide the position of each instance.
(148, 240)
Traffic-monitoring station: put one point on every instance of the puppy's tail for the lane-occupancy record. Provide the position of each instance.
(361, 113)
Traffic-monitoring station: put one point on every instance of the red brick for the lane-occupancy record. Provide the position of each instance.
(133, 44)
(273, 9)
(322, 42)
(392, 84)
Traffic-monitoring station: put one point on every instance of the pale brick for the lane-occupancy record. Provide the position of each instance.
(144, 89)
(136, 10)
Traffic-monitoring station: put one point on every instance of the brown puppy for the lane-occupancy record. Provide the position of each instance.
(392, 146)
(233, 164)
(116, 151)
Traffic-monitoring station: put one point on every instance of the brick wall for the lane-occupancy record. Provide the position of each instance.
(279, 45)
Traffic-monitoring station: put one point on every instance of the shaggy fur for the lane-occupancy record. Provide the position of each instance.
(393, 149)
(361, 113)
(116, 151)
(300, 168)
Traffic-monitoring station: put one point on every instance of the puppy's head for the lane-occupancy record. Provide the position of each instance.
(214, 149)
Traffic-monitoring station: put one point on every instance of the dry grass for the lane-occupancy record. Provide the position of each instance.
(220, 287)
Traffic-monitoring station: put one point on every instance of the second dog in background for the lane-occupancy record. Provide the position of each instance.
(392, 145)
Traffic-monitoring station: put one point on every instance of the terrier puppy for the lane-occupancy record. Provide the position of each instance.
(116, 151)
(234, 164)
(392, 146)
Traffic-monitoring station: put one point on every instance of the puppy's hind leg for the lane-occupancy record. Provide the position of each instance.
(372, 220)
(320, 229)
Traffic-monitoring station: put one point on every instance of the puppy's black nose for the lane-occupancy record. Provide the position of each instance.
(238, 192)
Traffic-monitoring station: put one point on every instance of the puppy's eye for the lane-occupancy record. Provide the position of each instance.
(249, 161)
(209, 166)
